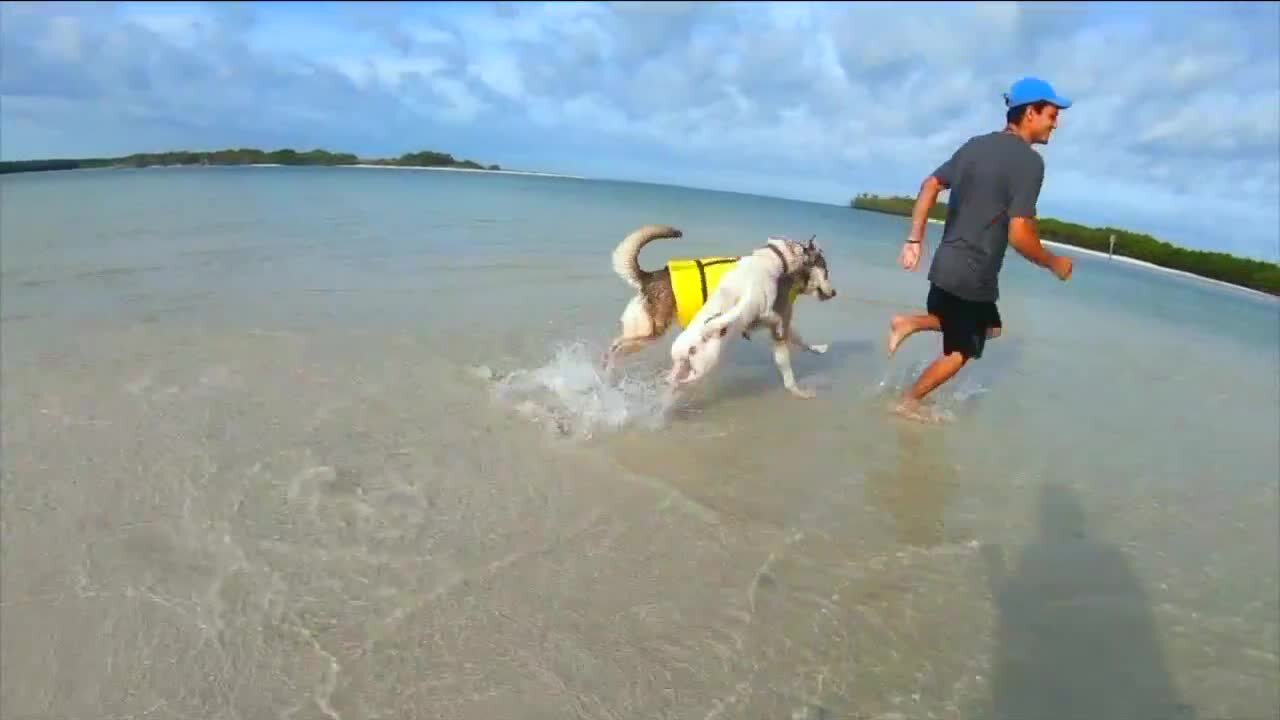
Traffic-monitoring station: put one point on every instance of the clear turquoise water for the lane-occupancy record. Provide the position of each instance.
(287, 440)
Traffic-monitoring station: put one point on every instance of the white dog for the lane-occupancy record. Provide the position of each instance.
(745, 297)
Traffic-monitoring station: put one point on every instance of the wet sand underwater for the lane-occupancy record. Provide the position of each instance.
(259, 471)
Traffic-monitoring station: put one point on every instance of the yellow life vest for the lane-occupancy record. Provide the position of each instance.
(694, 280)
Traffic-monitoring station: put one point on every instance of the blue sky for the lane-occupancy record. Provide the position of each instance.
(1176, 128)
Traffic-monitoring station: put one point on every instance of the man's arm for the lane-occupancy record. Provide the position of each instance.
(925, 200)
(1024, 231)
(937, 181)
(914, 247)
(1024, 236)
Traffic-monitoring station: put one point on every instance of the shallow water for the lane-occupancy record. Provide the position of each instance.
(328, 443)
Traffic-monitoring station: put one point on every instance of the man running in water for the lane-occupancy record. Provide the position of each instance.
(995, 181)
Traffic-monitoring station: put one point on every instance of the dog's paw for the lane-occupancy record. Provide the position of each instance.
(819, 349)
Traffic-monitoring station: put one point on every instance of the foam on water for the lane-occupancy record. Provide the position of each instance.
(572, 396)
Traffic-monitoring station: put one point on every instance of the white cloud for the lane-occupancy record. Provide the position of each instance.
(501, 73)
(461, 104)
(185, 29)
(62, 41)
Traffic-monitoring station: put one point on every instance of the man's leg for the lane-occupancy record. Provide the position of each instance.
(904, 326)
(937, 304)
(938, 372)
(963, 337)
(993, 322)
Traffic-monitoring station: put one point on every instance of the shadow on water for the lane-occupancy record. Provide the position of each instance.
(1075, 636)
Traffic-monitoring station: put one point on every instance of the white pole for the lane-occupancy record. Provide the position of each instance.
(1113, 247)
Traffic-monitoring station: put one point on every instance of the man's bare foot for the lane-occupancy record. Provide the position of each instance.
(913, 409)
(908, 408)
(918, 411)
(900, 328)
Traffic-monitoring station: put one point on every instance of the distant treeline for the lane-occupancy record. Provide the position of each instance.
(242, 156)
(1245, 272)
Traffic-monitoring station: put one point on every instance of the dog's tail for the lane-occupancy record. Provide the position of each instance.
(626, 257)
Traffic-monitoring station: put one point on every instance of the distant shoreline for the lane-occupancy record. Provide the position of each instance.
(252, 157)
(366, 166)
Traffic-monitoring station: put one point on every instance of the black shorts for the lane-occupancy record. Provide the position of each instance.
(965, 323)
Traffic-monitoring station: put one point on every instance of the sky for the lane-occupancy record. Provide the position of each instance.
(1175, 130)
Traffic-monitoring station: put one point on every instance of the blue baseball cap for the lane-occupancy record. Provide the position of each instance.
(1031, 89)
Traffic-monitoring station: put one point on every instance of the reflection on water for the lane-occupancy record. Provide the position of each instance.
(914, 490)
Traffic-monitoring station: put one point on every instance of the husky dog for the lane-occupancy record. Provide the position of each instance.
(680, 289)
(814, 280)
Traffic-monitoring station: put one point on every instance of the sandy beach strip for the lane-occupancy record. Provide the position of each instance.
(468, 170)
(1153, 266)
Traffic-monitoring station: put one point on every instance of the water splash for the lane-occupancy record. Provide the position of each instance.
(572, 396)
(943, 405)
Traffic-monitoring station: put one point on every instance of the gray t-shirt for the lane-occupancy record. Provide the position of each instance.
(992, 177)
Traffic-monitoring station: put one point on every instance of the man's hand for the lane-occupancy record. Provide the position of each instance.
(911, 253)
(925, 200)
(1061, 266)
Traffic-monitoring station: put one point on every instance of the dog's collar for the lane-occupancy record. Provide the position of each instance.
(781, 258)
